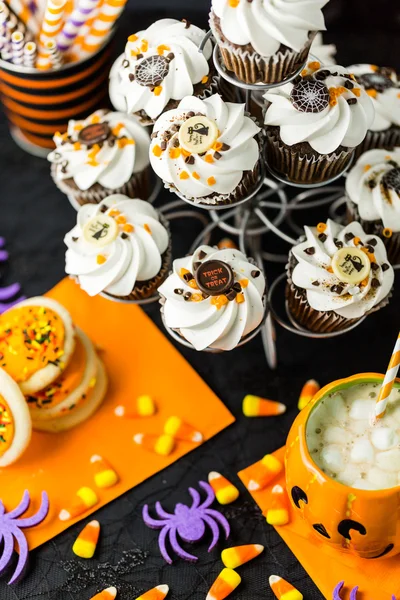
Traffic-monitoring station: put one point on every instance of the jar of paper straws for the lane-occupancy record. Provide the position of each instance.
(54, 65)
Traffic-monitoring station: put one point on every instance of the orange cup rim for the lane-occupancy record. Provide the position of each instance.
(339, 384)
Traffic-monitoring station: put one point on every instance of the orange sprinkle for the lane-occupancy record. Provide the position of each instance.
(370, 255)
(116, 130)
(387, 232)
(195, 175)
(133, 38)
(125, 142)
(329, 269)
(219, 301)
(128, 228)
(157, 90)
(388, 157)
(77, 146)
(145, 46)
(314, 65)
(211, 181)
(364, 282)
(121, 220)
(162, 48)
(217, 146)
(244, 283)
(147, 228)
(321, 227)
(185, 152)
(135, 52)
(372, 93)
(398, 95)
(95, 119)
(78, 127)
(240, 298)
(92, 156)
(175, 153)
(157, 151)
(356, 92)
(209, 159)
(374, 68)
(184, 175)
(101, 259)
(304, 72)
(183, 272)
(367, 167)
(196, 298)
(192, 283)
(233, 3)
(205, 79)
(356, 241)
(114, 212)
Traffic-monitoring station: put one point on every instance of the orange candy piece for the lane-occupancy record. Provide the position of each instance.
(108, 594)
(254, 406)
(310, 388)
(160, 444)
(259, 475)
(278, 512)
(225, 492)
(85, 499)
(226, 582)
(105, 475)
(157, 593)
(239, 555)
(284, 590)
(180, 430)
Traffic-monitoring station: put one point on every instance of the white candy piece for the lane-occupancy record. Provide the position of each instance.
(335, 435)
(332, 457)
(381, 479)
(361, 409)
(362, 452)
(337, 407)
(384, 438)
(389, 460)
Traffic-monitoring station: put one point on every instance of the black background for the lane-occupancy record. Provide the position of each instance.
(34, 218)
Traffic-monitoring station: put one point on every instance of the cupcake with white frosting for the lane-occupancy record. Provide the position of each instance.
(382, 84)
(314, 124)
(336, 276)
(160, 66)
(373, 197)
(213, 298)
(263, 41)
(206, 150)
(103, 154)
(120, 247)
(325, 53)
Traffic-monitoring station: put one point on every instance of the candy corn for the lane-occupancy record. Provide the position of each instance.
(104, 474)
(85, 499)
(226, 582)
(225, 492)
(108, 594)
(253, 406)
(182, 431)
(160, 444)
(278, 512)
(263, 472)
(239, 555)
(310, 388)
(157, 593)
(86, 542)
(284, 590)
(145, 407)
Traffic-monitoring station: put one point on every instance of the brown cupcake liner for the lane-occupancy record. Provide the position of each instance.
(301, 168)
(316, 320)
(388, 139)
(392, 244)
(137, 187)
(251, 67)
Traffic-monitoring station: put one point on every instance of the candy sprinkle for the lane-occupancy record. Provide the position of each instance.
(284, 590)
(86, 542)
(226, 582)
(253, 406)
(225, 492)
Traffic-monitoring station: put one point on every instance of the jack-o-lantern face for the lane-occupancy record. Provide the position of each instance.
(363, 522)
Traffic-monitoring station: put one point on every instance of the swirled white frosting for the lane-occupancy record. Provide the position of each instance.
(338, 124)
(312, 274)
(222, 176)
(111, 164)
(386, 102)
(365, 186)
(130, 257)
(203, 323)
(324, 52)
(266, 24)
(187, 67)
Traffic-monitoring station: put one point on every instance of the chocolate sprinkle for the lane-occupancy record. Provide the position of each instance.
(375, 266)
(217, 155)
(322, 237)
(104, 208)
(190, 114)
(225, 147)
(187, 23)
(189, 160)
(178, 291)
(196, 265)
(310, 251)
(352, 101)
(316, 283)
(237, 287)
(255, 274)
(231, 295)
(187, 296)
(349, 236)
(163, 145)
(349, 84)
(385, 267)
(75, 239)
(131, 77)
(202, 254)
(337, 289)
(372, 242)
(124, 235)
(375, 283)
(338, 243)
(125, 63)
(188, 277)
(372, 184)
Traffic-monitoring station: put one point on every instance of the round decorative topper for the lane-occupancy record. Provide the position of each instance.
(351, 265)
(198, 134)
(310, 95)
(391, 180)
(94, 133)
(214, 277)
(100, 231)
(377, 81)
(152, 71)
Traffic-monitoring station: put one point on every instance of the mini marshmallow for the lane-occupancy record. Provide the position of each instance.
(384, 438)
(389, 460)
(332, 457)
(337, 407)
(362, 452)
(335, 435)
(381, 479)
(359, 427)
(349, 475)
(363, 484)
(361, 409)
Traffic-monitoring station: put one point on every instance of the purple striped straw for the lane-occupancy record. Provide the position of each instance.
(75, 22)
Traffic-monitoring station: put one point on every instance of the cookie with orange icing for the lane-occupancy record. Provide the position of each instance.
(15, 421)
(37, 341)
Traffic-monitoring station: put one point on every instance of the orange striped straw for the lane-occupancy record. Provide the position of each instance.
(388, 381)
(23, 12)
(52, 20)
(102, 25)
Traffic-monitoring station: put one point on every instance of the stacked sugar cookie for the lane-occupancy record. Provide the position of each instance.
(51, 378)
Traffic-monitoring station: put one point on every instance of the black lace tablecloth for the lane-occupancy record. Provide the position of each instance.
(34, 218)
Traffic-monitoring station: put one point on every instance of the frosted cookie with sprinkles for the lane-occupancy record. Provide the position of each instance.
(15, 421)
(37, 341)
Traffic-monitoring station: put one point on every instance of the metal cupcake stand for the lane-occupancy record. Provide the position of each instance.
(250, 221)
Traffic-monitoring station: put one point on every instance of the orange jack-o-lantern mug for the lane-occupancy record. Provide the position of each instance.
(343, 470)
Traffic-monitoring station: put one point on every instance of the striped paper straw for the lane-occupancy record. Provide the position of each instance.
(388, 381)
(55, 56)
(75, 22)
(52, 21)
(24, 14)
(30, 54)
(17, 46)
(109, 13)
(4, 13)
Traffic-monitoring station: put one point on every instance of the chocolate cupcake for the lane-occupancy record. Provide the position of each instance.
(314, 124)
(336, 276)
(213, 298)
(373, 197)
(120, 247)
(160, 66)
(265, 41)
(383, 86)
(207, 150)
(104, 154)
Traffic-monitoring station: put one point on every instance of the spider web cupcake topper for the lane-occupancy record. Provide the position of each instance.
(379, 81)
(310, 96)
(391, 180)
(151, 71)
(187, 523)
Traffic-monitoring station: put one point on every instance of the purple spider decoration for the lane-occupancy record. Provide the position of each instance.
(10, 291)
(353, 593)
(10, 528)
(189, 523)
